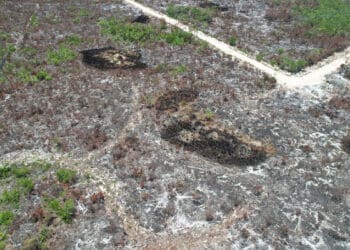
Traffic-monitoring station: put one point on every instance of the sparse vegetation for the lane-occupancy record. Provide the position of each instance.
(27, 75)
(285, 62)
(6, 218)
(209, 114)
(5, 172)
(20, 172)
(128, 32)
(196, 15)
(66, 175)
(34, 20)
(26, 184)
(60, 55)
(10, 197)
(178, 37)
(123, 31)
(179, 69)
(72, 40)
(65, 210)
(259, 57)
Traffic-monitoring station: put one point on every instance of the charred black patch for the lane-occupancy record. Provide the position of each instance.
(141, 19)
(213, 143)
(111, 58)
(208, 4)
(172, 99)
(346, 144)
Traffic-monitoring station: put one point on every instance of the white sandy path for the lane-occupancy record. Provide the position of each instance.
(312, 76)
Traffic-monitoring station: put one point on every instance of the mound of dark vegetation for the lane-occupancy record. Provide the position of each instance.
(215, 142)
(212, 5)
(201, 132)
(172, 99)
(111, 58)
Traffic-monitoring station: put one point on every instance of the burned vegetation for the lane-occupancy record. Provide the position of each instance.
(111, 58)
(201, 132)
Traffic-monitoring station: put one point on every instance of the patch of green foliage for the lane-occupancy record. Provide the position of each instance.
(10, 197)
(285, 62)
(66, 175)
(34, 20)
(290, 65)
(65, 210)
(259, 57)
(83, 13)
(26, 184)
(330, 17)
(60, 55)
(178, 37)
(7, 50)
(6, 218)
(192, 14)
(20, 172)
(122, 31)
(72, 40)
(38, 241)
(5, 172)
(179, 69)
(128, 32)
(233, 41)
(209, 113)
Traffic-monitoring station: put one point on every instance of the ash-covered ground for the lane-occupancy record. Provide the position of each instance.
(192, 150)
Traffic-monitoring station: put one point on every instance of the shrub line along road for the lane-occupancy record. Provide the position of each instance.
(313, 75)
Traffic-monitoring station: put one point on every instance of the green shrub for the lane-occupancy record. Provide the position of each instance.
(5, 172)
(27, 75)
(233, 41)
(190, 14)
(123, 31)
(178, 37)
(291, 65)
(66, 175)
(260, 57)
(34, 20)
(65, 210)
(20, 171)
(26, 184)
(43, 75)
(60, 55)
(6, 218)
(10, 197)
(128, 32)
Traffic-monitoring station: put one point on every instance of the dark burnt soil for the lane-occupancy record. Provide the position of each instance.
(266, 29)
